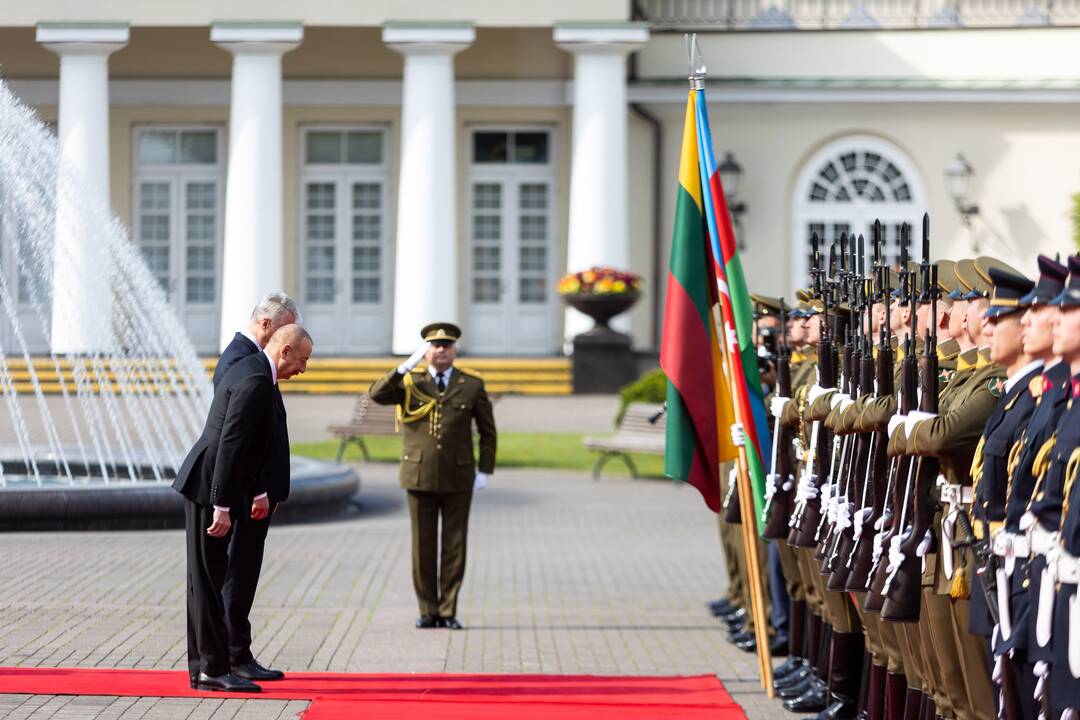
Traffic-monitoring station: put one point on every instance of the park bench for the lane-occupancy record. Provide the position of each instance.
(368, 418)
(640, 431)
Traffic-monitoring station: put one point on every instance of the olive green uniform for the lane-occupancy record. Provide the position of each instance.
(438, 469)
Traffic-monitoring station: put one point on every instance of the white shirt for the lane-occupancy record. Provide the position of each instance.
(445, 373)
(249, 336)
(1015, 378)
(273, 366)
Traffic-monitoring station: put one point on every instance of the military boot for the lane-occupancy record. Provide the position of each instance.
(845, 670)
(876, 695)
(895, 693)
(913, 704)
(864, 689)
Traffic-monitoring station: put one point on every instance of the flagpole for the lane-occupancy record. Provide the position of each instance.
(749, 529)
(746, 497)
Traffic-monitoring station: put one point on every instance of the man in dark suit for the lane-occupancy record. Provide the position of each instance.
(272, 487)
(220, 473)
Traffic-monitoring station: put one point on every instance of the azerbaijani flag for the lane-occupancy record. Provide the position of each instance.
(697, 404)
(737, 311)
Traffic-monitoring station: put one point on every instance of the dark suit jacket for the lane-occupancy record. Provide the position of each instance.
(274, 477)
(237, 350)
(222, 467)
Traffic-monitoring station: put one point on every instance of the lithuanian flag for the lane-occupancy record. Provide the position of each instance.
(737, 311)
(699, 409)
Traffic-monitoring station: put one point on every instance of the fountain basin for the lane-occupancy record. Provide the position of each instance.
(318, 490)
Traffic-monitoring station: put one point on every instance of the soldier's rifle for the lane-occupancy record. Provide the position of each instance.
(856, 478)
(892, 514)
(903, 593)
(805, 521)
(807, 511)
(873, 505)
(778, 500)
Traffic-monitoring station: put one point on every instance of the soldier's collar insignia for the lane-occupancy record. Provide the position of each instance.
(1076, 387)
(1038, 385)
(996, 386)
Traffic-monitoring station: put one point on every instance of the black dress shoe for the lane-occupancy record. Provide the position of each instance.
(225, 683)
(733, 615)
(793, 678)
(747, 645)
(720, 607)
(798, 689)
(789, 666)
(450, 623)
(814, 700)
(254, 671)
(739, 636)
(426, 622)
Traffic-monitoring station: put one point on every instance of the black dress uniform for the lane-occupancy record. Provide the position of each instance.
(1049, 393)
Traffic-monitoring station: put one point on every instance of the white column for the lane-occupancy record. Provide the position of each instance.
(254, 253)
(426, 278)
(598, 233)
(82, 298)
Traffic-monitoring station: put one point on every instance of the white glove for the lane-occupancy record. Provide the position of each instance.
(414, 359)
(738, 435)
(481, 481)
(777, 405)
(895, 422)
(838, 399)
(817, 391)
(914, 418)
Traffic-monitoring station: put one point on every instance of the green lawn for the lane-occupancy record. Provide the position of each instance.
(562, 451)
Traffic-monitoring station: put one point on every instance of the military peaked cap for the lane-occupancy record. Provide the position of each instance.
(441, 332)
(1070, 296)
(1052, 277)
(1008, 294)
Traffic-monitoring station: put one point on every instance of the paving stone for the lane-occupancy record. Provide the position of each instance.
(565, 575)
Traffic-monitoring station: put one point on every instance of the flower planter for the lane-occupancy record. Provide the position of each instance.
(601, 308)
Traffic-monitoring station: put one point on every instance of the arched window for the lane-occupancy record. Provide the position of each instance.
(844, 187)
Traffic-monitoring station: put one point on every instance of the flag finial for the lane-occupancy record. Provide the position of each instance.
(695, 62)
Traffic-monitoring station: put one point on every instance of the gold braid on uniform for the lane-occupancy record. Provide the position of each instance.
(1040, 465)
(1070, 477)
(977, 468)
(428, 407)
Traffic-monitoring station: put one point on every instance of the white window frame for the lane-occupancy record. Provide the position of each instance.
(859, 213)
(178, 175)
(343, 175)
(517, 173)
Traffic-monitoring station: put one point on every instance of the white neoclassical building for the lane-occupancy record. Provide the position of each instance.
(394, 163)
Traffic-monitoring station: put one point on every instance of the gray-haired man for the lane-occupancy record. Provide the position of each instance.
(274, 311)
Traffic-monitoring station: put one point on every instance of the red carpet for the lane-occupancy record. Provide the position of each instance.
(337, 696)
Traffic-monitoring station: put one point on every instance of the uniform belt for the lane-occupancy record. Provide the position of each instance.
(1007, 544)
(1068, 568)
(1042, 540)
(956, 494)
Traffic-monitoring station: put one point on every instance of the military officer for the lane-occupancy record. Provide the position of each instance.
(436, 410)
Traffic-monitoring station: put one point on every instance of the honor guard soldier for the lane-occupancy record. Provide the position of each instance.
(990, 469)
(436, 409)
(1014, 543)
(1055, 535)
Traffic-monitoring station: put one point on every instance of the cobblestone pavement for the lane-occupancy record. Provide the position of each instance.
(565, 575)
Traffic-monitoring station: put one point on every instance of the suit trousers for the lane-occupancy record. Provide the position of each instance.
(207, 565)
(242, 580)
(437, 576)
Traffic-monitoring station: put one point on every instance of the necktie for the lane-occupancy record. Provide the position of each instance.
(440, 382)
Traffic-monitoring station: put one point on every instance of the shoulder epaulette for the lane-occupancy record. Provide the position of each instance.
(471, 373)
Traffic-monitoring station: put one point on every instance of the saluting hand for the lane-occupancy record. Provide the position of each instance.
(221, 525)
(260, 507)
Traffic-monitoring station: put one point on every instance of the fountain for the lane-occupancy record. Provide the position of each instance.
(131, 397)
